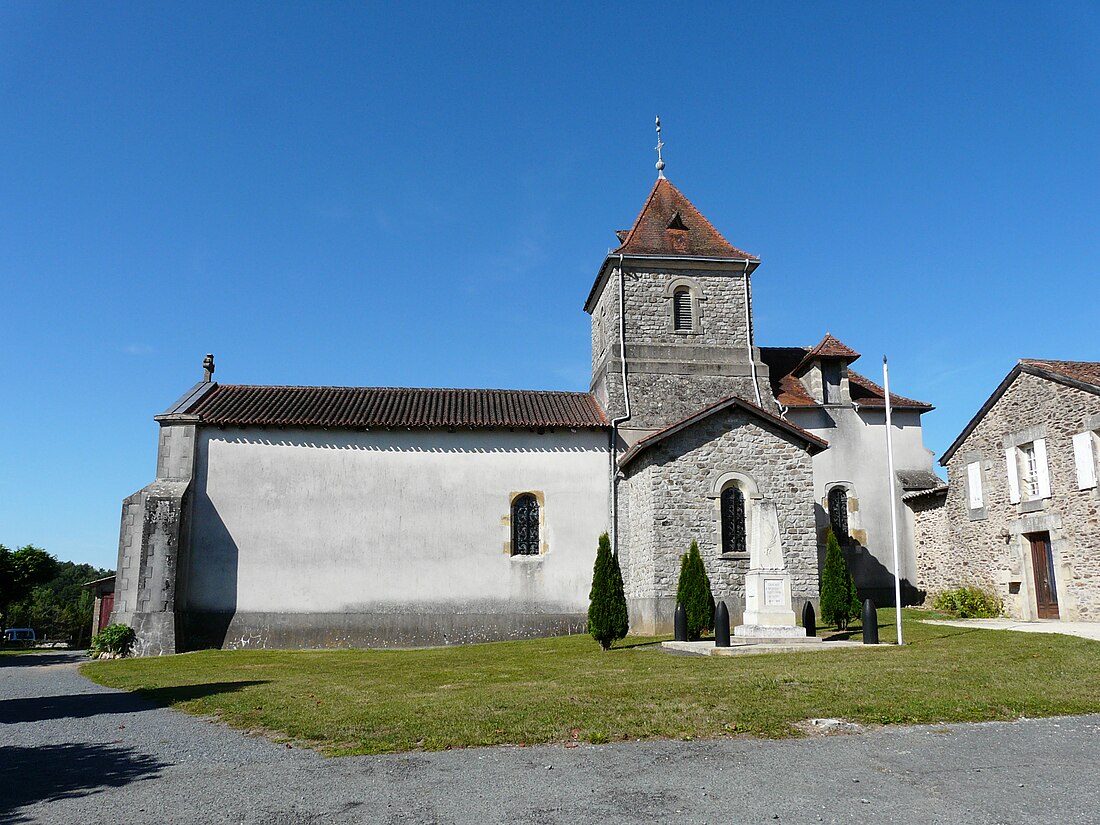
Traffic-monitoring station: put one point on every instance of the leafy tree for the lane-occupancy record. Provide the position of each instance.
(61, 608)
(693, 592)
(20, 572)
(607, 616)
(839, 600)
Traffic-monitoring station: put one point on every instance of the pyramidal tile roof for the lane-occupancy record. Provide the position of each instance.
(829, 347)
(669, 224)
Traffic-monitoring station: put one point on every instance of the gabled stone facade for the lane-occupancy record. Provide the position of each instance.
(674, 491)
(975, 534)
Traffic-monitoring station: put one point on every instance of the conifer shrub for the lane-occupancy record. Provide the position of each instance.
(969, 603)
(693, 592)
(839, 600)
(607, 616)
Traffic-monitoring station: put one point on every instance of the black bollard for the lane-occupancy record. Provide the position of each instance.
(809, 619)
(681, 626)
(721, 625)
(870, 623)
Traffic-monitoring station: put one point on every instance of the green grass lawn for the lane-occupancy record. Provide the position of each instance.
(563, 689)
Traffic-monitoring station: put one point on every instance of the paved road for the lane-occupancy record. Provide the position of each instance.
(73, 752)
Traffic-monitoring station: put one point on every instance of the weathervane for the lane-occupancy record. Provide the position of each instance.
(660, 146)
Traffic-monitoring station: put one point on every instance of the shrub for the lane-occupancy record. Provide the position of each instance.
(112, 642)
(607, 616)
(693, 592)
(969, 603)
(839, 600)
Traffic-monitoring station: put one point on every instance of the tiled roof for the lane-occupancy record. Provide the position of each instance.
(245, 405)
(867, 393)
(789, 390)
(931, 491)
(669, 224)
(829, 347)
(813, 442)
(1083, 375)
(1087, 372)
(911, 480)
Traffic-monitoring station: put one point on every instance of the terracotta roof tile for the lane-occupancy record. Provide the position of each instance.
(246, 405)
(655, 231)
(867, 393)
(1087, 372)
(784, 362)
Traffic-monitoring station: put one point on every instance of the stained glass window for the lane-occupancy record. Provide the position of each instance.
(525, 525)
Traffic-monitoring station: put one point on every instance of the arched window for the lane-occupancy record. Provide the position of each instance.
(734, 532)
(525, 525)
(838, 513)
(681, 310)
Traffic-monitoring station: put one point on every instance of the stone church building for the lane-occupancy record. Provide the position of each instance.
(369, 516)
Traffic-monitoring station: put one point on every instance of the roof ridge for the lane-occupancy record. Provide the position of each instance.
(395, 389)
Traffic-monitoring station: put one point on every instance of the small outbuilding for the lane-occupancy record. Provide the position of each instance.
(104, 592)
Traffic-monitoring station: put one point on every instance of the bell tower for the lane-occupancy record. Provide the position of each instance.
(673, 305)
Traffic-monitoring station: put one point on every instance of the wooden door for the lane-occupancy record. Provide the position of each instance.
(1046, 592)
(106, 605)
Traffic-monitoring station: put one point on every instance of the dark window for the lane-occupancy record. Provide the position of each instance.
(830, 382)
(525, 525)
(838, 513)
(681, 310)
(734, 539)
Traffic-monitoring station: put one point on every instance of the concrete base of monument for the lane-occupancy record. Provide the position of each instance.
(772, 635)
(754, 633)
(743, 647)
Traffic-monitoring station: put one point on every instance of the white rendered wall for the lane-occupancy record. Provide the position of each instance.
(857, 455)
(312, 521)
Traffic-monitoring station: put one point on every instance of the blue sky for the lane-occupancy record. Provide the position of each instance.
(421, 195)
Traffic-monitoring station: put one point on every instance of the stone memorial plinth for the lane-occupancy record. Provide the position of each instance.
(769, 610)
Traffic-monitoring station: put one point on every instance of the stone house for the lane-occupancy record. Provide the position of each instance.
(349, 516)
(1021, 515)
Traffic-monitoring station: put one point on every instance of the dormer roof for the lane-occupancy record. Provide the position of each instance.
(829, 347)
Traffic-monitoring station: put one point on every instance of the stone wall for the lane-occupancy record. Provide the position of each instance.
(673, 501)
(990, 545)
(673, 374)
(936, 569)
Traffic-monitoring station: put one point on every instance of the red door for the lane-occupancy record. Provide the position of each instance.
(1042, 563)
(106, 605)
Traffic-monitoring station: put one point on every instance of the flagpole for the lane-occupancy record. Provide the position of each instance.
(893, 497)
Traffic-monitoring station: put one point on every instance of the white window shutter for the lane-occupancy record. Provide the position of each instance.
(1013, 475)
(1041, 466)
(1084, 460)
(974, 484)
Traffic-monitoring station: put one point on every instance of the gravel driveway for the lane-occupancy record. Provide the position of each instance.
(74, 752)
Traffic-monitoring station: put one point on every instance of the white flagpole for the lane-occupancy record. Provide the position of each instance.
(893, 498)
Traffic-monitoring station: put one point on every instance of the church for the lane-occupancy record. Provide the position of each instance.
(398, 517)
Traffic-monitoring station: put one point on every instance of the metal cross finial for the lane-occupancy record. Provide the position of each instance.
(660, 146)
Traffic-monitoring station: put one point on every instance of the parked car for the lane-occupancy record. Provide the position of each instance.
(19, 637)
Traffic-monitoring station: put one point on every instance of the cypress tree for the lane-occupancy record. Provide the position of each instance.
(839, 601)
(607, 616)
(693, 592)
